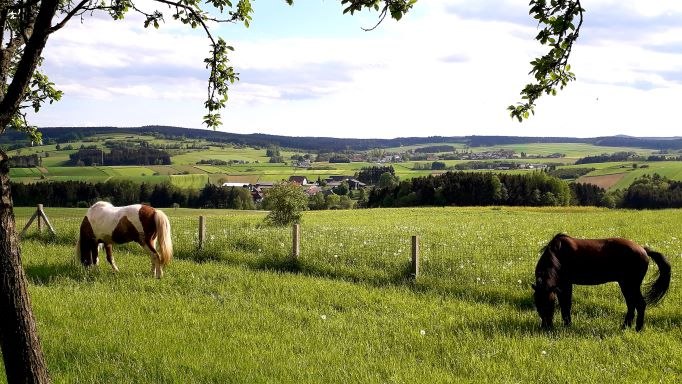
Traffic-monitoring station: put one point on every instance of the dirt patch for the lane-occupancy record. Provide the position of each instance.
(605, 181)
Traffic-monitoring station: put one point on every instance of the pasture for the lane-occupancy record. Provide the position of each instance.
(240, 310)
(619, 175)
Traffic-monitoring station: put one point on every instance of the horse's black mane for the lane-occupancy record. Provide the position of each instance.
(549, 263)
(556, 237)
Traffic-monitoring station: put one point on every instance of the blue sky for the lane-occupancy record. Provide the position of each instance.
(449, 68)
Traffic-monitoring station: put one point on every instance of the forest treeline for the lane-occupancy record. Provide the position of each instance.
(473, 189)
(52, 135)
(124, 192)
(533, 189)
(448, 189)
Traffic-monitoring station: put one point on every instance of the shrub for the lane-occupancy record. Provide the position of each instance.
(285, 201)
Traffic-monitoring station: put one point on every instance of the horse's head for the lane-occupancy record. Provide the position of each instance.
(544, 296)
(546, 282)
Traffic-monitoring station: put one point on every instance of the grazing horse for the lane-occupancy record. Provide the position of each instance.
(566, 261)
(106, 224)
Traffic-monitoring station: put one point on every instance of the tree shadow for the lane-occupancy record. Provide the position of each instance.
(48, 238)
(44, 274)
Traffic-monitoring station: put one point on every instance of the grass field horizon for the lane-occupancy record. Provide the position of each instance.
(240, 311)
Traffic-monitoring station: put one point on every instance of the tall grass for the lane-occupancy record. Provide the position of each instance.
(240, 310)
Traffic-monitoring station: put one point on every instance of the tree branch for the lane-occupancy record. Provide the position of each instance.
(382, 16)
(29, 61)
(68, 16)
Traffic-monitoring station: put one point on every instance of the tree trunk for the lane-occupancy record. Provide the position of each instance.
(21, 351)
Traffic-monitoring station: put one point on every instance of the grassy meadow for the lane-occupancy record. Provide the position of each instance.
(240, 310)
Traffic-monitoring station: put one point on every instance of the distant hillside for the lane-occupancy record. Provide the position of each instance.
(70, 134)
(330, 144)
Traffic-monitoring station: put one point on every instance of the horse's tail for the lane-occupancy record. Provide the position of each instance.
(657, 289)
(82, 252)
(163, 231)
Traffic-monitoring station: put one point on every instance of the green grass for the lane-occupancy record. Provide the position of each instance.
(226, 154)
(128, 171)
(24, 172)
(241, 311)
(77, 171)
(571, 150)
(196, 181)
(153, 179)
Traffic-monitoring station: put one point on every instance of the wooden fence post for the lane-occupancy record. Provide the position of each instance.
(415, 256)
(42, 217)
(296, 241)
(202, 231)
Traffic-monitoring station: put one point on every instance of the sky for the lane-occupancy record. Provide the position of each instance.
(448, 68)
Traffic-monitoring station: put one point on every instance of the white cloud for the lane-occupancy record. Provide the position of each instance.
(450, 68)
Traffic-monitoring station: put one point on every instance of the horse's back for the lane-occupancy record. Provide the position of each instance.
(104, 218)
(596, 261)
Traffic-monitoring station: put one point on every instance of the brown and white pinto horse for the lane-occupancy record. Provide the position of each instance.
(106, 224)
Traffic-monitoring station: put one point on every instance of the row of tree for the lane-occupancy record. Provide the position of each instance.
(652, 191)
(25, 161)
(473, 189)
(124, 192)
(120, 156)
(609, 157)
(451, 188)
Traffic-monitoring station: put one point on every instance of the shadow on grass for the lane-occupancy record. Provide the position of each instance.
(665, 320)
(47, 238)
(395, 276)
(44, 274)
(518, 327)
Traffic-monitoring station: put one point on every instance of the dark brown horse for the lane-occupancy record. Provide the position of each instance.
(566, 261)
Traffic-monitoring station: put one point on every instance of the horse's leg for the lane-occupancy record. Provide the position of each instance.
(94, 254)
(156, 261)
(630, 301)
(110, 257)
(565, 301)
(641, 308)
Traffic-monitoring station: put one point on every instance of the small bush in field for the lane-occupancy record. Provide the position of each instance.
(285, 201)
